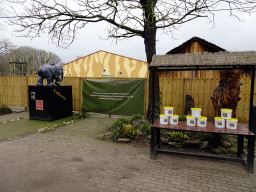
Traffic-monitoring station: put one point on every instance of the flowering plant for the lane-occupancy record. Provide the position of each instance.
(132, 134)
(178, 136)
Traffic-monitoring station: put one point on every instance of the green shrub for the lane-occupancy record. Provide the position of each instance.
(182, 118)
(166, 133)
(85, 115)
(5, 110)
(115, 134)
(146, 128)
(225, 137)
(136, 116)
(120, 122)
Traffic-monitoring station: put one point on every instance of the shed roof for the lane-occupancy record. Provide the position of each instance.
(211, 46)
(217, 59)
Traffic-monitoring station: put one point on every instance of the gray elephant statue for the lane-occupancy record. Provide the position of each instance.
(50, 72)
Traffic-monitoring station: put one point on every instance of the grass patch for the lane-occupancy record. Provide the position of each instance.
(22, 126)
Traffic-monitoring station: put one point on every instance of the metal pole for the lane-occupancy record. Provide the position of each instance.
(251, 99)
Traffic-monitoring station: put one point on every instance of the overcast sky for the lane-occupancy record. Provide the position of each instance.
(228, 33)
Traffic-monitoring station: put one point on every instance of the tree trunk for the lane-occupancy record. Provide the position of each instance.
(150, 51)
(150, 48)
(226, 95)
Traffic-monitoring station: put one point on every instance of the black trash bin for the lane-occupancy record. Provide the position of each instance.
(50, 103)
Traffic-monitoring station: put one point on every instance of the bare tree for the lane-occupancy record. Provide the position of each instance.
(126, 19)
(29, 59)
(5, 47)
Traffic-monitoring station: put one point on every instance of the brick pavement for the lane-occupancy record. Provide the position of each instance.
(71, 159)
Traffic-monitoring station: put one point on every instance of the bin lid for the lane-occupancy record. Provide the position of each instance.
(226, 109)
(196, 108)
(202, 117)
(218, 118)
(232, 119)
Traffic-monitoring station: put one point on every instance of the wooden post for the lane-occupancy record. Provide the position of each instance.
(153, 97)
(27, 94)
(251, 97)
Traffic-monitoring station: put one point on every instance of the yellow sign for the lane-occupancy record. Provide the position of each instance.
(58, 93)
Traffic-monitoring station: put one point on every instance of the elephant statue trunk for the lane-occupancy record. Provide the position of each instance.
(50, 72)
(60, 73)
(61, 77)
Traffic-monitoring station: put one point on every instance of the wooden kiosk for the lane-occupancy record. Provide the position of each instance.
(206, 61)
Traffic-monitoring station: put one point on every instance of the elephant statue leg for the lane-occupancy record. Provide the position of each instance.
(57, 83)
(57, 80)
(40, 81)
(49, 81)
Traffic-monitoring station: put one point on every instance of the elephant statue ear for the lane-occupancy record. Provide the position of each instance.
(59, 69)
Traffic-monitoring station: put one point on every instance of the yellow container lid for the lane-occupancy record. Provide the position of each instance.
(202, 117)
(196, 108)
(226, 109)
(219, 118)
(162, 115)
(175, 115)
(168, 107)
(190, 116)
(232, 119)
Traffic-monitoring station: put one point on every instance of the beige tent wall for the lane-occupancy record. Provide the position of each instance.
(104, 63)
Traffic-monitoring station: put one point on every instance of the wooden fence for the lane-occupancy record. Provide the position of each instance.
(14, 92)
(174, 91)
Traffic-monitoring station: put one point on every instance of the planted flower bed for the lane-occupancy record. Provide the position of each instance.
(137, 131)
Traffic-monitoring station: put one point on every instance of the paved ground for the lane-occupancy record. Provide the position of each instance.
(71, 159)
(14, 115)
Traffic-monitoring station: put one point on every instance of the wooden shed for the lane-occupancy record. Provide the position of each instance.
(174, 89)
(106, 64)
(194, 45)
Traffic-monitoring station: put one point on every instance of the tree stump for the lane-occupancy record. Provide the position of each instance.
(226, 95)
